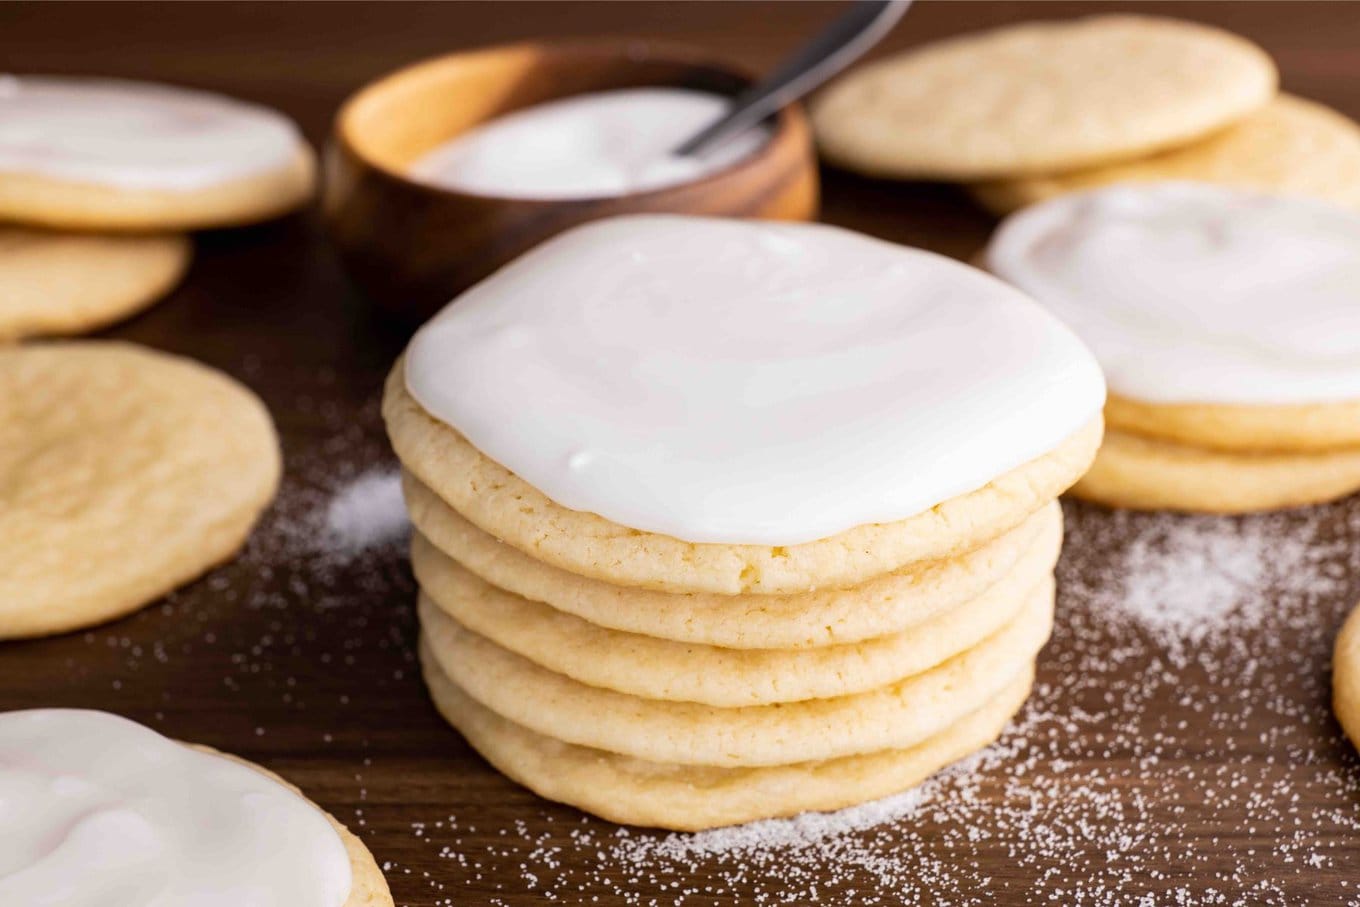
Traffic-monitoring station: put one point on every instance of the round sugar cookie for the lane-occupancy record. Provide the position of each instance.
(896, 716)
(1243, 428)
(102, 810)
(500, 503)
(71, 283)
(654, 668)
(142, 468)
(1041, 97)
(1345, 677)
(451, 558)
(693, 798)
(109, 155)
(1147, 474)
(1291, 146)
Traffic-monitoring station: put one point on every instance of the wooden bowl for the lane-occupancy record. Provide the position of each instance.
(412, 247)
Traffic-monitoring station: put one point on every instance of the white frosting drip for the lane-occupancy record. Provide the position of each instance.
(743, 382)
(594, 145)
(1191, 293)
(136, 135)
(96, 810)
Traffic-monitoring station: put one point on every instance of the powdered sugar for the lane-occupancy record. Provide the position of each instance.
(367, 511)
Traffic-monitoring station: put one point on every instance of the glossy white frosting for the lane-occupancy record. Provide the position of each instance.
(605, 143)
(1192, 293)
(98, 811)
(137, 135)
(747, 382)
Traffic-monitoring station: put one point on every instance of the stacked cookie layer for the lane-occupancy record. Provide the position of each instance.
(598, 675)
(1226, 321)
(1030, 111)
(718, 520)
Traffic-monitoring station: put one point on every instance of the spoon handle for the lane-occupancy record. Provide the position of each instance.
(843, 42)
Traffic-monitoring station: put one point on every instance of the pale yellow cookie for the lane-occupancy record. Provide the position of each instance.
(692, 798)
(896, 716)
(124, 473)
(1147, 474)
(1346, 677)
(1291, 146)
(1293, 428)
(728, 678)
(65, 205)
(71, 283)
(1041, 97)
(884, 605)
(500, 503)
(368, 887)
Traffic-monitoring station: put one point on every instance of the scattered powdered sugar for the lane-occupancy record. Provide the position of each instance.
(366, 512)
(1178, 749)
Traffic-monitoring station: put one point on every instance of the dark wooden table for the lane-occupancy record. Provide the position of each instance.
(1178, 756)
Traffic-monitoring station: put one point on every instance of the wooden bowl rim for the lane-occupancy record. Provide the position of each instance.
(789, 122)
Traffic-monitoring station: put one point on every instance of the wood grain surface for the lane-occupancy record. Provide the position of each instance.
(1185, 755)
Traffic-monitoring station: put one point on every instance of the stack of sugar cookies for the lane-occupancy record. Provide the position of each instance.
(1228, 325)
(99, 179)
(1027, 112)
(721, 520)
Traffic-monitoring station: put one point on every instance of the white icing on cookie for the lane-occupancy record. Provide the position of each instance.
(137, 135)
(745, 382)
(605, 143)
(97, 811)
(1192, 293)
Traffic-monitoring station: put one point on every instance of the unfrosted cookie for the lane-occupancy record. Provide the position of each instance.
(106, 154)
(1147, 474)
(692, 798)
(70, 283)
(1346, 677)
(1041, 97)
(124, 473)
(1243, 428)
(654, 668)
(884, 605)
(101, 810)
(896, 716)
(500, 503)
(1291, 145)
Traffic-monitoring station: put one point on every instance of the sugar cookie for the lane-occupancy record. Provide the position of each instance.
(104, 154)
(1346, 677)
(503, 505)
(124, 473)
(692, 798)
(1244, 428)
(1147, 474)
(1291, 146)
(71, 283)
(884, 605)
(897, 716)
(654, 668)
(1041, 97)
(101, 810)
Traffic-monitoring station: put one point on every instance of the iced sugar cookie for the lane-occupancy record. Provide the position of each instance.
(1228, 325)
(883, 606)
(70, 283)
(654, 668)
(100, 811)
(691, 798)
(124, 472)
(1346, 677)
(1041, 97)
(1290, 146)
(896, 716)
(105, 154)
(719, 406)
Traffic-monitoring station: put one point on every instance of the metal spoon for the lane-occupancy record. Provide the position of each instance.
(843, 42)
